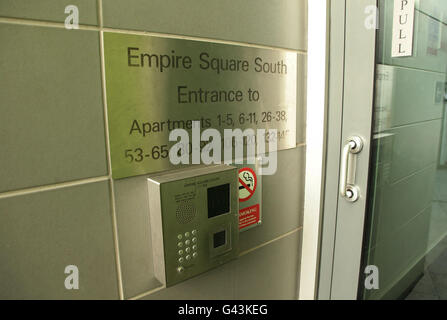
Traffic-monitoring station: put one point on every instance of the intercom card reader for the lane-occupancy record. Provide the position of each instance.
(194, 221)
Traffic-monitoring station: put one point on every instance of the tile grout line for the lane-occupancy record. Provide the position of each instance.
(202, 39)
(21, 192)
(401, 227)
(407, 125)
(413, 68)
(99, 13)
(428, 15)
(285, 235)
(109, 162)
(414, 173)
(40, 23)
(243, 253)
(147, 293)
(66, 184)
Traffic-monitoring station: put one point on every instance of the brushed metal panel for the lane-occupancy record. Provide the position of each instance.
(146, 78)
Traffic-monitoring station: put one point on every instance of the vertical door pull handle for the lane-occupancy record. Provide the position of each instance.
(350, 192)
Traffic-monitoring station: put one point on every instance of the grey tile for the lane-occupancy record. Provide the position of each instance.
(440, 284)
(216, 284)
(405, 96)
(438, 229)
(270, 272)
(433, 8)
(281, 23)
(411, 152)
(439, 248)
(49, 10)
(403, 248)
(425, 285)
(441, 185)
(42, 233)
(282, 200)
(391, 215)
(439, 266)
(51, 123)
(421, 296)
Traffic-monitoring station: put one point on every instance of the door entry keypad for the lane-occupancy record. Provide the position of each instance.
(187, 248)
(187, 208)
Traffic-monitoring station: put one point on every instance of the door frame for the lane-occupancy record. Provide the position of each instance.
(317, 63)
(333, 227)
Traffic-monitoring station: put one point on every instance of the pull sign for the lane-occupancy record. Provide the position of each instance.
(403, 22)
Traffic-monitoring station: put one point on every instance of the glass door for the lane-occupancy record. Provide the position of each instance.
(349, 118)
(385, 206)
(405, 239)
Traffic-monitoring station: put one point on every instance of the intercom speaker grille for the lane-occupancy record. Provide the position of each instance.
(185, 212)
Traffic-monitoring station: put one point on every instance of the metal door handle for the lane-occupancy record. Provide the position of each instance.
(350, 192)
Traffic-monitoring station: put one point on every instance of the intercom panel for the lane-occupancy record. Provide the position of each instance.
(194, 220)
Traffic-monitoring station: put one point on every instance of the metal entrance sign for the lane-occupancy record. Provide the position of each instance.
(155, 85)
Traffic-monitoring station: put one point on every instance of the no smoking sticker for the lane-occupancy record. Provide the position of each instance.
(249, 198)
(247, 184)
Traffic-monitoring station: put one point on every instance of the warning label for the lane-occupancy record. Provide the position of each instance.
(249, 205)
(248, 216)
(247, 184)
